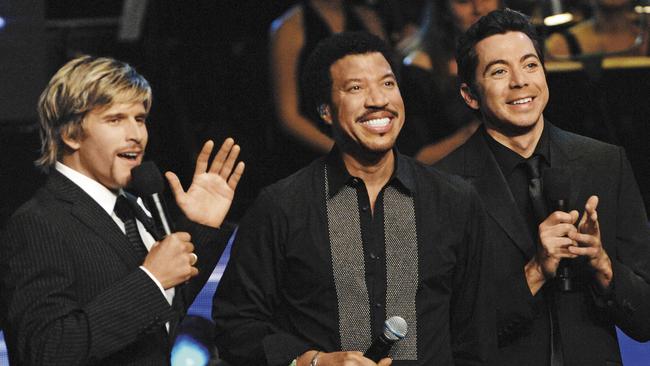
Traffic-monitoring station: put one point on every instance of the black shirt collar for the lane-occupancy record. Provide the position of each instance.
(338, 175)
(508, 160)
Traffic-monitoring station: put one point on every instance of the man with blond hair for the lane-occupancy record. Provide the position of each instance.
(76, 289)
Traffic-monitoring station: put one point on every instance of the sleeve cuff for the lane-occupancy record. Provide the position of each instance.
(281, 349)
(160, 287)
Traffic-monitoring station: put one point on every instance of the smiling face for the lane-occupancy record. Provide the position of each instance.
(112, 143)
(366, 110)
(510, 84)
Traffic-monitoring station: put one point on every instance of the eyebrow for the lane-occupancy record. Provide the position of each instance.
(122, 115)
(501, 61)
(386, 75)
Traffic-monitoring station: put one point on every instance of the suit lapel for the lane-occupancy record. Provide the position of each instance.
(564, 155)
(483, 171)
(89, 213)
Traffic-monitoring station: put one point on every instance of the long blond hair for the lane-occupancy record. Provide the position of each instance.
(81, 85)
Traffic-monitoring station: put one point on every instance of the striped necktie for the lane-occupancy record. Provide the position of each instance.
(124, 211)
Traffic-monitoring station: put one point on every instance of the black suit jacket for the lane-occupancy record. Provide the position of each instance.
(72, 292)
(586, 316)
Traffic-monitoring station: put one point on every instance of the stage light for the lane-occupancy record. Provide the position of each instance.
(188, 351)
(642, 9)
(194, 345)
(558, 19)
(3, 22)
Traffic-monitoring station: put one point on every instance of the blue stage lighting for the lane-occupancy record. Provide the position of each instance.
(188, 351)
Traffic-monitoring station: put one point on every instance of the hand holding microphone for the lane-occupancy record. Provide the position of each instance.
(172, 258)
(395, 329)
(559, 226)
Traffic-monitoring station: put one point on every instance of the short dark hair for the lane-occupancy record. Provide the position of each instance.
(316, 76)
(497, 22)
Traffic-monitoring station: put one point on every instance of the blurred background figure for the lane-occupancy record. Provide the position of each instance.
(612, 28)
(292, 38)
(437, 119)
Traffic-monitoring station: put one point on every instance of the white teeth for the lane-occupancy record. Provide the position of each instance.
(129, 155)
(522, 101)
(378, 122)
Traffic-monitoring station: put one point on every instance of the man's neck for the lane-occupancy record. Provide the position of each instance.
(375, 172)
(523, 144)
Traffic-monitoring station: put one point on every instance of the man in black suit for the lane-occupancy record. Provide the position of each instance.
(75, 289)
(607, 250)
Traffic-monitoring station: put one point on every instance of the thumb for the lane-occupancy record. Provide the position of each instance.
(385, 362)
(175, 185)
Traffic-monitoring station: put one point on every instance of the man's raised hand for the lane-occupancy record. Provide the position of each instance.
(211, 193)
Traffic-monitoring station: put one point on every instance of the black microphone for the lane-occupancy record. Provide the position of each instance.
(557, 188)
(395, 329)
(148, 184)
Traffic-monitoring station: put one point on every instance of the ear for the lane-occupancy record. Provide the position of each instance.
(469, 97)
(71, 136)
(325, 113)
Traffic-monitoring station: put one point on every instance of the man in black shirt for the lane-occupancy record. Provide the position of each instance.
(365, 233)
(500, 63)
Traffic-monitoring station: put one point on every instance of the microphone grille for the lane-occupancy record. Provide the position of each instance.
(146, 179)
(395, 328)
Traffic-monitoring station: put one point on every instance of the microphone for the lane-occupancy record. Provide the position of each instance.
(148, 184)
(557, 188)
(395, 329)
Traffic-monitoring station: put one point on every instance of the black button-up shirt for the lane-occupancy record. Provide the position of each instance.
(278, 296)
(513, 168)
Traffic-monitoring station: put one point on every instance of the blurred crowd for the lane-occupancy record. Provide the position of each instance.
(423, 34)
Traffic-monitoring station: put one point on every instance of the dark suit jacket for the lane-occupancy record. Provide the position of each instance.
(586, 316)
(72, 292)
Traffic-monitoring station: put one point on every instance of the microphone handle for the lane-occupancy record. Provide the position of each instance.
(379, 348)
(158, 209)
(563, 273)
(162, 213)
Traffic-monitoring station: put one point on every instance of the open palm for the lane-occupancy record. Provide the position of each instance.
(211, 193)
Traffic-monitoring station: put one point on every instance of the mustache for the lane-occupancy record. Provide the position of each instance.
(371, 111)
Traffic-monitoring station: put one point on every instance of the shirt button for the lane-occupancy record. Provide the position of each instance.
(364, 208)
(374, 256)
(377, 305)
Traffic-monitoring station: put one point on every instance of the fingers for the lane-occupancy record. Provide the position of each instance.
(171, 260)
(586, 240)
(590, 252)
(556, 230)
(558, 247)
(589, 222)
(227, 154)
(175, 185)
(592, 204)
(560, 217)
(385, 362)
(204, 157)
(230, 162)
(223, 162)
(236, 175)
